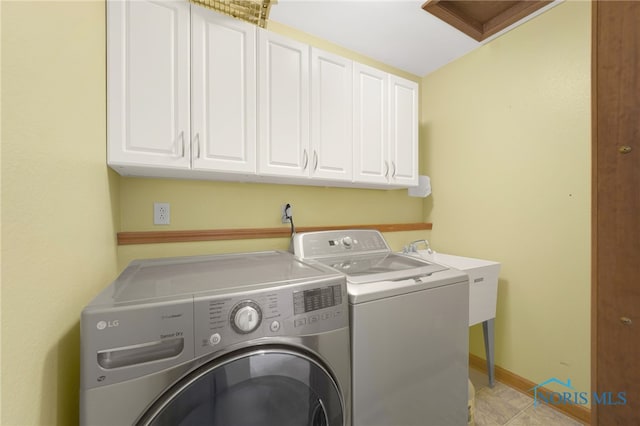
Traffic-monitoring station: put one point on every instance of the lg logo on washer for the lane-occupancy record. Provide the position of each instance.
(107, 324)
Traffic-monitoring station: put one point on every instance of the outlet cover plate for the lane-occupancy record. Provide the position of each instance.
(161, 214)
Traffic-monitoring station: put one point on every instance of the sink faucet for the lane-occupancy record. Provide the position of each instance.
(412, 247)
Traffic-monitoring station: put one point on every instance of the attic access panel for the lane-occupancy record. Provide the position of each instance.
(480, 19)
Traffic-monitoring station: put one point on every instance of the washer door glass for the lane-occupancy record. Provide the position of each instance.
(261, 388)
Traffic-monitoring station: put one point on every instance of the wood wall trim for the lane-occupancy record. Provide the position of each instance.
(156, 237)
(577, 412)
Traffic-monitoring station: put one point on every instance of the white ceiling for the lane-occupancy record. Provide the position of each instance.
(396, 32)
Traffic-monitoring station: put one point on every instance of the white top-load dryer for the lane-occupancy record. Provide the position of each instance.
(252, 339)
(409, 330)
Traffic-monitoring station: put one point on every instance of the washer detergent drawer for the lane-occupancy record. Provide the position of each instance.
(410, 358)
(126, 342)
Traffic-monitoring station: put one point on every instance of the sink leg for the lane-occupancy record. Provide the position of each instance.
(488, 332)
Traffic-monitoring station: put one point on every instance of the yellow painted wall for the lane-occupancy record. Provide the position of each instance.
(223, 205)
(506, 130)
(213, 205)
(59, 201)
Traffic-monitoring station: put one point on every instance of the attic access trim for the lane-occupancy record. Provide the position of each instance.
(480, 19)
(253, 11)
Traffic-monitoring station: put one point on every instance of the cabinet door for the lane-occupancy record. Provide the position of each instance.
(223, 93)
(283, 116)
(148, 84)
(370, 121)
(331, 116)
(403, 125)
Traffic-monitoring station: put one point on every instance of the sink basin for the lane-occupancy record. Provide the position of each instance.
(483, 282)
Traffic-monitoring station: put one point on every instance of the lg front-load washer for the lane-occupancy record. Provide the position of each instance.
(252, 339)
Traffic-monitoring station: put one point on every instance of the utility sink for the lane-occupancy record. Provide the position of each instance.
(483, 282)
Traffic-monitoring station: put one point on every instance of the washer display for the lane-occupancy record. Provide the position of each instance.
(218, 340)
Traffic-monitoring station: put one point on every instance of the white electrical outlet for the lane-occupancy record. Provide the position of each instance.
(283, 213)
(161, 214)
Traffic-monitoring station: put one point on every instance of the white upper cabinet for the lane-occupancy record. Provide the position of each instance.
(148, 84)
(192, 93)
(283, 94)
(370, 125)
(385, 143)
(223, 93)
(403, 131)
(331, 116)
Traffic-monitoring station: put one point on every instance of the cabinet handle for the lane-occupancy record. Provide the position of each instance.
(386, 169)
(197, 139)
(181, 138)
(315, 160)
(393, 175)
(306, 160)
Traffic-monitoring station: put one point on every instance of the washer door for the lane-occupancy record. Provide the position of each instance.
(268, 387)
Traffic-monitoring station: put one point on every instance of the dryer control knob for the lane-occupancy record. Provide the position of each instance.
(246, 317)
(347, 241)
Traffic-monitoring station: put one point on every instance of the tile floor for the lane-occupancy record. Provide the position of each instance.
(504, 406)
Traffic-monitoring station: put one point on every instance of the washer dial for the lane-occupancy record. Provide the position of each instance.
(246, 317)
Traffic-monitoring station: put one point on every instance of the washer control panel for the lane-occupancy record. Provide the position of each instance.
(311, 245)
(293, 310)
